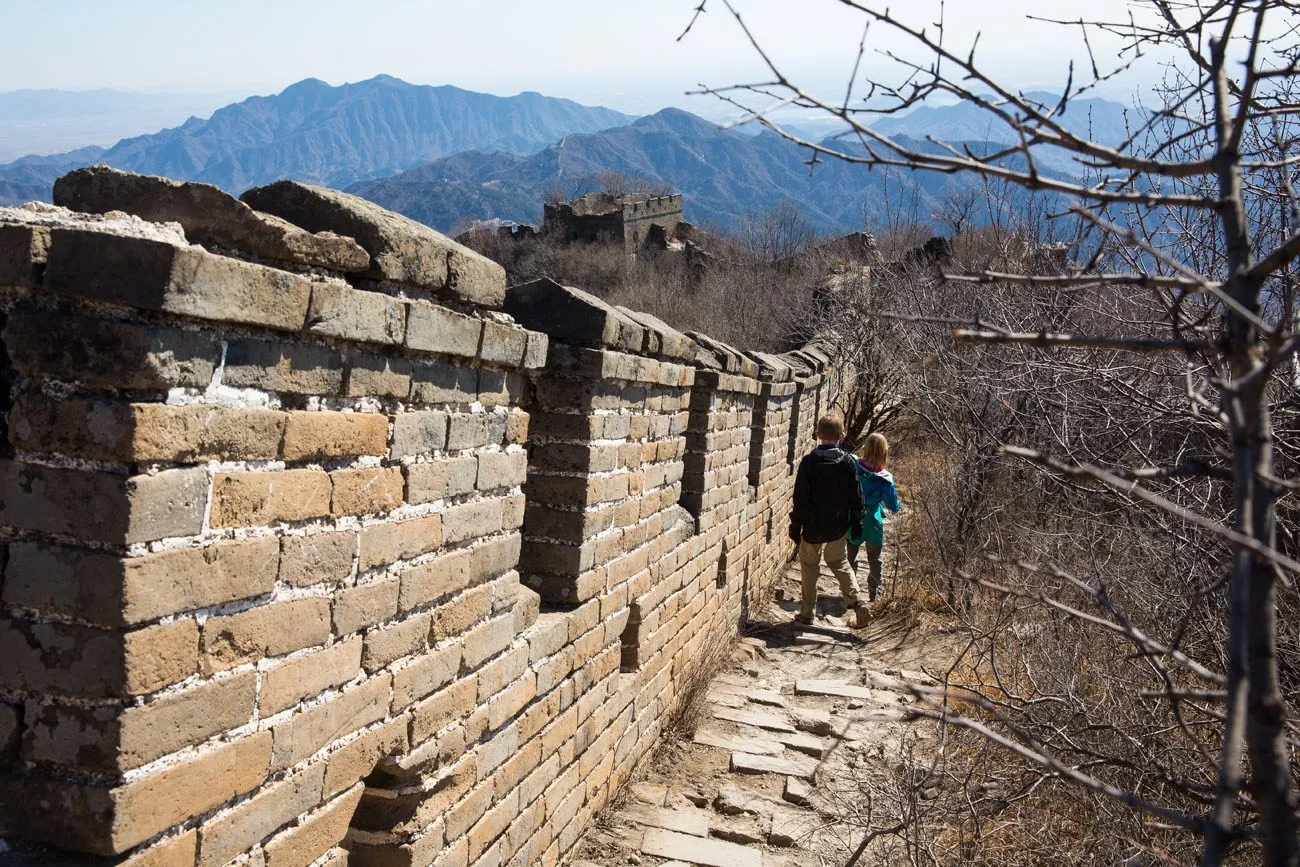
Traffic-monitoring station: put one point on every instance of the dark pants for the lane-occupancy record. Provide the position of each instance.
(873, 561)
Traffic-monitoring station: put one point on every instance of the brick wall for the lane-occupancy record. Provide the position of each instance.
(322, 547)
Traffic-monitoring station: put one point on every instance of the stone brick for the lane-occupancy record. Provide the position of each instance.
(111, 739)
(317, 558)
(429, 672)
(517, 427)
(238, 830)
(501, 470)
(267, 630)
(471, 520)
(493, 557)
(160, 656)
(456, 616)
(385, 544)
(418, 433)
(365, 605)
(389, 643)
(436, 329)
(469, 809)
(355, 760)
(316, 834)
(178, 851)
(341, 311)
(183, 579)
(71, 582)
(468, 431)
(308, 731)
(488, 640)
(366, 491)
(572, 316)
(426, 582)
(371, 375)
(440, 382)
(440, 479)
(283, 367)
(503, 344)
(493, 824)
(22, 248)
(500, 388)
(159, 801)
(100, 507)
(209, 216)
(400, 249)
(443, 708)
(259, 498)
(316, 435)
(535, 354)
(159, 275)
(296, 679)
(513, 699)
(114, 355)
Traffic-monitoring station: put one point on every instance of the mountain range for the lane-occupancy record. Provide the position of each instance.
(447, 156)
(328, 135)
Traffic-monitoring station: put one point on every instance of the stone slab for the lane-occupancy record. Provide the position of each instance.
(681, 821)
(813, 720)
(696, 850)
(838, 688)
(748, 763)
(761, 719)
(798, 741)
(797, 791)
(570, 315)
(742, 743)
(767, 697)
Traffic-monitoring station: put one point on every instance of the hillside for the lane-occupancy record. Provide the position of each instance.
(331, 135)
(1100, 119)
(723, 175)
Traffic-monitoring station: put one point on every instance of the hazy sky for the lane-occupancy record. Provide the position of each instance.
(615, 52)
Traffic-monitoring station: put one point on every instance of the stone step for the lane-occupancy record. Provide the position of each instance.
(748, 763)
(799, 741)
(681, 821)
(697, 850)
(767, 697)
(839, 688)
(759, 718)
(742, 743)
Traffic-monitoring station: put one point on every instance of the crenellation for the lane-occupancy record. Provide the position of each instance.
(319, 539)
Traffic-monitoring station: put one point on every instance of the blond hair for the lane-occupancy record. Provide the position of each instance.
(830, 427)
(876, 450)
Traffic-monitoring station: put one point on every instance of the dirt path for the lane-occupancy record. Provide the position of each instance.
(796, 748)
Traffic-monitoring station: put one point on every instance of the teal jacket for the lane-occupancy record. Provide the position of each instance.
(878, 494)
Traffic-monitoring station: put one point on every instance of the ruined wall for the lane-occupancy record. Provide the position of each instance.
(313, 555)
(604, 217)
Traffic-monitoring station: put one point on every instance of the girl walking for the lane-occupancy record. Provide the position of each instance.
(878, 494)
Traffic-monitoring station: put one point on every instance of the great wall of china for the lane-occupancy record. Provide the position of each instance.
(323, 547)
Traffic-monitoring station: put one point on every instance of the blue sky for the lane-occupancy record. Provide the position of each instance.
(615, 52)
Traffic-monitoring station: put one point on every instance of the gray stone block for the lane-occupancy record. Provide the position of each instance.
(209, 215)
(572, 316)
(291, 368)
(671, 343)
(435, 329)
(342, 311)
(400, 249)
(23, 249)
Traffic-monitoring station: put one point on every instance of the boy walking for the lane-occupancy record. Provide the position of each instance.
(827, 504)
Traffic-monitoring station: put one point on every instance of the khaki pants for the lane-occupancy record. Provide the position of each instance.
(873, 560)
(836, 554)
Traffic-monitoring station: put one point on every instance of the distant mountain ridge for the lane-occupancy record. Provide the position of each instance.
(722, 174)
(1101, 120)
(319, 133)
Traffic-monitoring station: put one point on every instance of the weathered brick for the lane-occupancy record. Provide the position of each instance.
(199, 432)
(341, 311)
(358, 757)
(267, 630)
(58, 579)
(494, 556)
(366, 491)
(501, 470)
(310, 730)
(429, 581)
(488, 640)
(500, 387)
(316, 834)
(430, 671)
(22, 248)
(100, 507)
(441, 382)
(254, 499)
(471, 520)
(384, 544)
(391, 642)
(513, 699)
(159, 275)
(442, 708)
(187, 578)
(371, 375)
(159, 656)
(436, 329)
(235, 832)
(296, 679)
(517, 427)
(283, 367)
(317, 558)
(503, 344)
(440, 479)
(418, 433)
(159, 801)
(468, 430)
(110, 739)
(177, 851)
(365, 605)
(493, 824)
(316, 435)
(457, 615)
(109, 354)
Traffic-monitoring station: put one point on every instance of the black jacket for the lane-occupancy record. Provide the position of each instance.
(827, 498)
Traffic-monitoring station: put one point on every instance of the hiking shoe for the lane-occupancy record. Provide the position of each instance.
(861, 617)
(803, 619)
